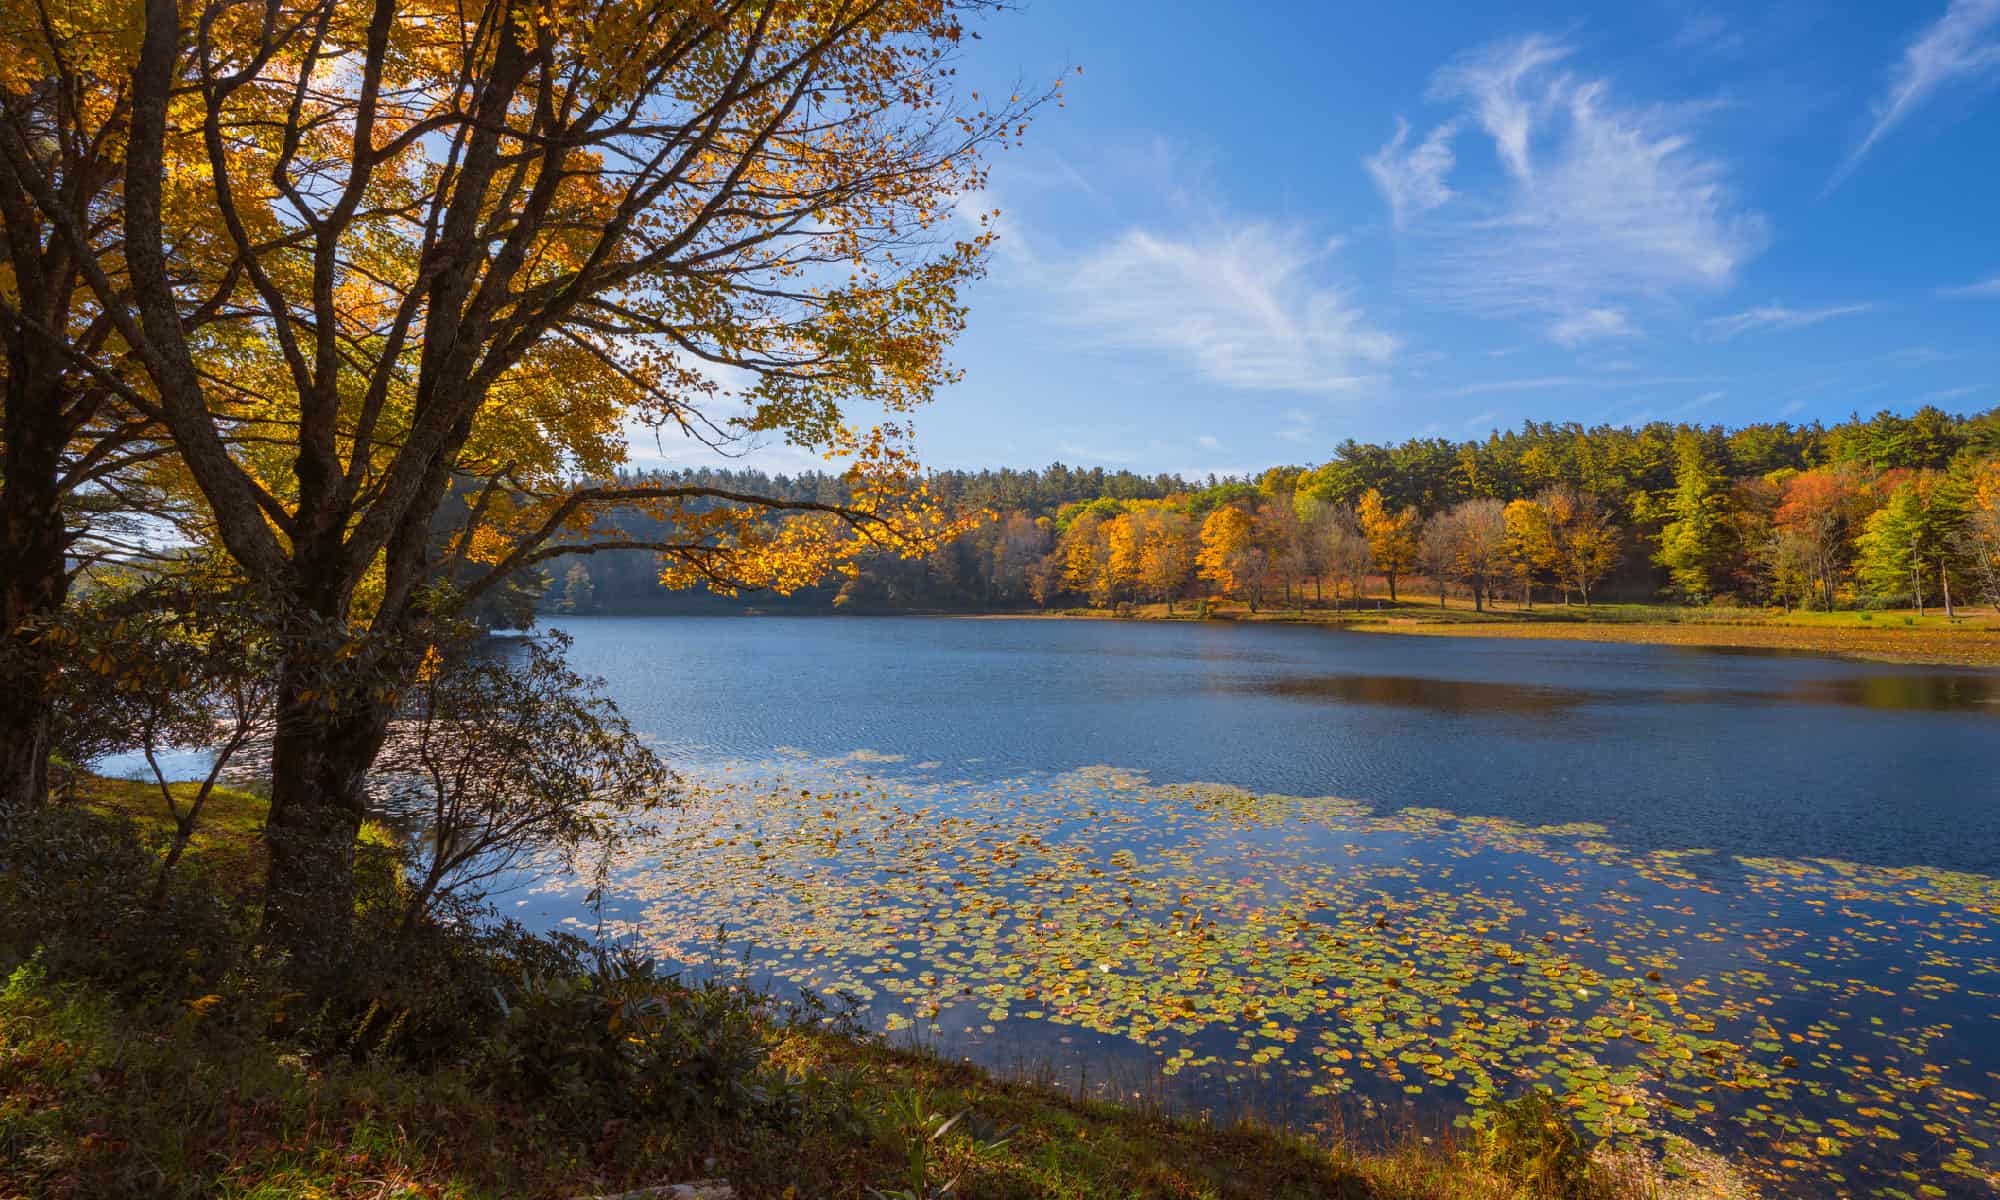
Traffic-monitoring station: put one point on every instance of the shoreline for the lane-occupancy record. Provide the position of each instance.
(1971, 641)
(1974, 643)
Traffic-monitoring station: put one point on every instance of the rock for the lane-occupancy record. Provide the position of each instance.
(700, 1189)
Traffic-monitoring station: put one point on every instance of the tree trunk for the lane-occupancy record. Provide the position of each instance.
(1944, 581)
(1392, 586)
(318, 768)
(33, 583)
(1917, 587)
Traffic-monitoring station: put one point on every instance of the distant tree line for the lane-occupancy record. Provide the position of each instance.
(1887, 510)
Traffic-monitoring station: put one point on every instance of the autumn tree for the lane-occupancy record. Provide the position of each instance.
(1585, 543)
(1531, 545)
(1120, 563)
(471, 244)
(1282, 537)
(1812, 524)
(1481, 561)
(1392, 536)
(1166, 551)
(1978, 536)
(1021, 543)
(1437, 551)
(1229, 557)
(1082, 549)
(1348, 558)
(81, 466)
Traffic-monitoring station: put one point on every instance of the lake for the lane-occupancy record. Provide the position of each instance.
(1720, 901)
(1669, 747)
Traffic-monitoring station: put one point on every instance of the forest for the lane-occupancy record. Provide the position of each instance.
(1886, 511)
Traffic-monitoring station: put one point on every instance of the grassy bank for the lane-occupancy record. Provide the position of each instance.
(1971, 639)
(141, 1053)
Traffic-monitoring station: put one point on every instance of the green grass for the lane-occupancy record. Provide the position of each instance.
(108, 1091)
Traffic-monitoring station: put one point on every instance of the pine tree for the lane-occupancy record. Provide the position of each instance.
(1695, 541)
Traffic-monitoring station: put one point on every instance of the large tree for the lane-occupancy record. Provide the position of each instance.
(1695, 540)
(465, 247)
(81, 465)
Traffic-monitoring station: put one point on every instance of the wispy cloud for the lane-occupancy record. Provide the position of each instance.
(1943, 394)
(1776, 317)
(1070, 449)
(1519, 385)
(1413, 180)
(1709, 33)
(1590, 325)
(1984, 288)
(1600, 206)
(1298, 426)
(1243, 306)
(1963, 44)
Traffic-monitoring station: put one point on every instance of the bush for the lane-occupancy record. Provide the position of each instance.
(1531, 1141)
(622, 1042)
(74, 891)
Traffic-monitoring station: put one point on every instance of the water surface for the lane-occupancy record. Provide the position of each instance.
(1668, 747)
(1738, 903)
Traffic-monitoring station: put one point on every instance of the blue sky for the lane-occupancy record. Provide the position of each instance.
(1248, 234)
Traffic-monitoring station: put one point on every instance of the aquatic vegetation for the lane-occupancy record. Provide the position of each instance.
(1833, 1025)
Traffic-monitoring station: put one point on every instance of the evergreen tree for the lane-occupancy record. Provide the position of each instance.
(1694, 543)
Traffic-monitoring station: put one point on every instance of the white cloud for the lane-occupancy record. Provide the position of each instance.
(1298, 425)
(1590, 325)
(1709, 33)
(1792, 409)
(1598, 206)
(1208, 442)
(1413, 181)
(1963, 44)
(1070, 449)
(1776, 317)
(1984, 288)
(1519, 385)
(1240, 305)
(1943, 394)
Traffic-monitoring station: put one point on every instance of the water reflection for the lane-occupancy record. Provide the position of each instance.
(1938, 692)
(1418, 691)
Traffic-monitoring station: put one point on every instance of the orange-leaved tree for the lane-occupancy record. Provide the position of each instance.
(84, 476)
(1228, 554)
(1392, 536)
(464, 246)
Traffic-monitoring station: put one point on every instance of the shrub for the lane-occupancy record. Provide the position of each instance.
(76, 890)
(1531, 1141)
(623, 1042)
